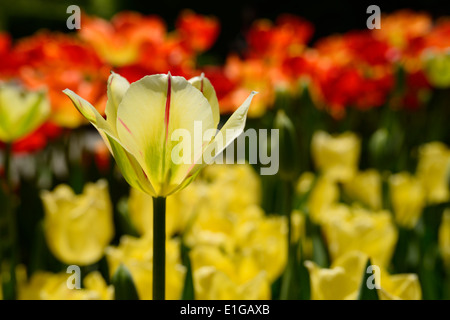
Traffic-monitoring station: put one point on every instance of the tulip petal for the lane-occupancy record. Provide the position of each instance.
(85, 108)
(90, 113)
(141, 125)
(117, 86)
(130, 168)
(126, 161)
(228, 133)
(204, 85)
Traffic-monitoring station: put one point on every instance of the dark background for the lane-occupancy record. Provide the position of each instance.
(24, 17)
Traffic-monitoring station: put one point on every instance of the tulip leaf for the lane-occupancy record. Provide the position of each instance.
(188, 289)
(124, 288)
(295, 282)
(367, 289)
(303, 276)
(320, 251)
(287, 290)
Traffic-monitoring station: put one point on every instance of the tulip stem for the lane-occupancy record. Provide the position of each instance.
(159, 248)
(8, 230)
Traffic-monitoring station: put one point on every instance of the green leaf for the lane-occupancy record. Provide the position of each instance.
(188, 289)
(320, 251)
(303, 276)
(365, 293)
(288, 281)
(295, 282)
(124, 288)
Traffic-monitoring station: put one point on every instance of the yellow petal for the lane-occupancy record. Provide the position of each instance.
(331, 284)
(229, 132)
(130, 168)
(204, 85)
(117, 86)
(126, 161)
(400, 286)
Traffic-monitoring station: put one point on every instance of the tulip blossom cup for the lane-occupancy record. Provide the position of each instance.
(141, 129)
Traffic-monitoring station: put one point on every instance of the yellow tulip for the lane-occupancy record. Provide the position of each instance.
(407, 197)
(78, 227)
(343, 279)
(212, 284)
(336, 156)
(444, 238)
(262, 237)
(266, 243)
(433, 171)
(21, 111)
(144, 119)
(400, 287)
(365, 187)
(232, 187)
(137, 255)
(45, 285)
(324, 194)
(347, 229)
(231, 277)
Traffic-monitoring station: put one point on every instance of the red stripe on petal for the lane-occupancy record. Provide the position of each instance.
(125, 126)
(201, 82)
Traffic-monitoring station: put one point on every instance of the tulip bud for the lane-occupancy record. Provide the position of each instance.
(433, 171)
(365, 187)
(344, 224)
(124, 288)
(336, 156)
(407, 197)
(21, 111)
(437, 68)
(78, 227)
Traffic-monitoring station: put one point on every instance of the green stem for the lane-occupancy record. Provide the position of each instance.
(8, 248)
(159, 248)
